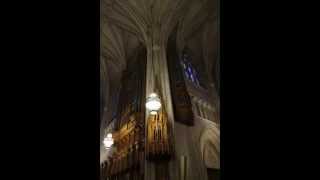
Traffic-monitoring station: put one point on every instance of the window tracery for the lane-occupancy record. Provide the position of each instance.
(189, 71)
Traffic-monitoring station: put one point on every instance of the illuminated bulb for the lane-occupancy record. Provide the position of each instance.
(153, 95)
(108, 141)
(153, 113)
(153, 103)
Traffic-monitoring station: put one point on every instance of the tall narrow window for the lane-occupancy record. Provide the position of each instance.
(189, 71)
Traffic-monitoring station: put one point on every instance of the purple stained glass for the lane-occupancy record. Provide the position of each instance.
(189, 69)
(191, 76)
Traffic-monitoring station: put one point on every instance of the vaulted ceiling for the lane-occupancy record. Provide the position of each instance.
(126, 25)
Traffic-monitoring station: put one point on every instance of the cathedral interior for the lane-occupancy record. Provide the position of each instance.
(160, 90)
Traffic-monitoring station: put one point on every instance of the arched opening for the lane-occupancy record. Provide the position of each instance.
(210, 151)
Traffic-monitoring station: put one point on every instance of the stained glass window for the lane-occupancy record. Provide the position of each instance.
(192, 78)
(189, 71)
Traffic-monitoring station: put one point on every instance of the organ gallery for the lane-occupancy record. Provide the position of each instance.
(159, 93)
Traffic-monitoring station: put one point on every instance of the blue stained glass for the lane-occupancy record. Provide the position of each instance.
(192, 79)
(189, 69)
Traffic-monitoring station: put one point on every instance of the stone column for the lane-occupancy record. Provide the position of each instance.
(185, 138)
(157, 67)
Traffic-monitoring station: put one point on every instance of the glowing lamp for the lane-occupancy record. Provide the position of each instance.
(108, 141)
(153, 103)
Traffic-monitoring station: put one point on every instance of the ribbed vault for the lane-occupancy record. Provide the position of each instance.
(135, 21)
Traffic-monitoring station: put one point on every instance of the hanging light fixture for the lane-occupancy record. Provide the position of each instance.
(108, 141)
(153, 103)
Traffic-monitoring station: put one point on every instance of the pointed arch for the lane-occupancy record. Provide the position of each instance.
(210, 146)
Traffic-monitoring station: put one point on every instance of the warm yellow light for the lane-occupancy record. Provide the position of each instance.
(108, 141)
(153, 95)
(153, 113)
(153, 103)
(109, 135)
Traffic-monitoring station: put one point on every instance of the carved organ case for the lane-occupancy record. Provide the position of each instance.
(181, 99)
(127, 161)
(158, 137)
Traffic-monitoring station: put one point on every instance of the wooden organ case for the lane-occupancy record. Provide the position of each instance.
(127, 161)
(159, 147)
(180, 97)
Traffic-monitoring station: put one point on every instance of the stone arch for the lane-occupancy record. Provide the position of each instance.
(210, 146)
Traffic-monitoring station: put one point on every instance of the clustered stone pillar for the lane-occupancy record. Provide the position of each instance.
(157, 67)
(187, 137)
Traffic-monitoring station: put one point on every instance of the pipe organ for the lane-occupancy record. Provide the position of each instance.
(180, 97)
(158, 137)
(137, 140)
(127, 162)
